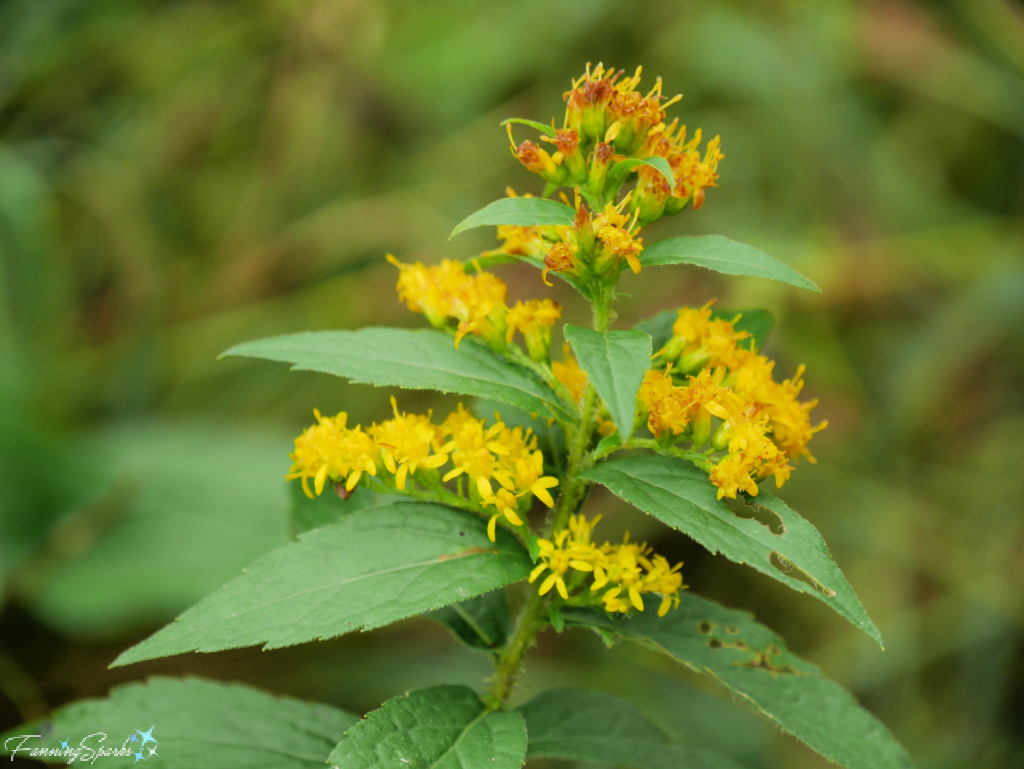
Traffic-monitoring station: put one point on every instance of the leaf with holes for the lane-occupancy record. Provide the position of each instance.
(679, 494)
(581, 725)
(758, 323)
(615, 361)
(753, 663)
(195, 724)
(519, 212)
(423, 359)
(482, 623)
(373, 568)
(618, 172)
(723, 255)
(443, 727)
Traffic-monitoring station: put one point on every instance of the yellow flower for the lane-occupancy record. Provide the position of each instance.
(406, 444)
(508, 456)
(569, 373)
(445, 291)
(534, 319)
(619, 240)
(330, 450)
(620, 575)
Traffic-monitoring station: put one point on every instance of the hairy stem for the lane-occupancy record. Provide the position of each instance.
(531, 619)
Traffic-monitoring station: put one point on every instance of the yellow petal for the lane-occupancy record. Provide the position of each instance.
(634, 597)
(581, 565)
(547, 584)
(666, 602)
(305, 487)
(321, 478)
(484, 487)
(353, 480)
(542, 494)
(400, 476)
(490, 529)
(537, 572)
(454, 474)
(560, 584)
(514, 519)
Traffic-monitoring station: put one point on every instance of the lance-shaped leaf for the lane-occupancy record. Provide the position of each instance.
(520, 212)
(375, 567)
(753, 663)
(412, 359)
(443, 727)
(483, 623)
(581, 725)
(618, 172)
(679, 494)
(545, 129)
(723, 255)
(615, 362)
(485, 262)
(758, 323)
(189, 724)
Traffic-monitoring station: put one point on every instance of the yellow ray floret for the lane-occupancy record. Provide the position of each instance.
(619, 575)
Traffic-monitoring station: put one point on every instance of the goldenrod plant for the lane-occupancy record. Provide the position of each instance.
(467, 516)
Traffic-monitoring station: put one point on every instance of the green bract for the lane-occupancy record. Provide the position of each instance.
(433, 516)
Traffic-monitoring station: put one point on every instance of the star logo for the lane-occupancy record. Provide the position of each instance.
(147, 737)
(138, 757)
(64, 745)
(152, 752)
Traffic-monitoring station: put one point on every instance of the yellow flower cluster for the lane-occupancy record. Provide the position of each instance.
(446, 293)
(763, 422)
(509, 458)
(607, 120)
(620, 575)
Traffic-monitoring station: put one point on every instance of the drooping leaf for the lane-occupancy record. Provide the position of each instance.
(758, 323)
(375, 567)
(195, 724)
(581, 725)
(442, 727)
(520, 212)
(486, 262)
(305, 514)
(544, 129)
(413, 359)
(720, 254)
(679, 494)
(753, 663)
(187, 506)
(618, 171)
(483, 623)
(615, 362)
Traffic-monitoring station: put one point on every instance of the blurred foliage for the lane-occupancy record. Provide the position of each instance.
(178, 177)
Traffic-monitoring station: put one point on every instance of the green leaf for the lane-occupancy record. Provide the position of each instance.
(615, 362)
(375, 567)
(679, 494)
(581, 725)
(545, 129)
(618, 171)
(753, 663)
(723, 255)
(305, 514)
(520, 212)
(413, 359)
(196, 724)
(758, 323)
(443, 727)
(483, 623)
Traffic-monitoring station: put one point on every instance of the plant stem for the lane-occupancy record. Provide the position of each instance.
(531, 619)
(528, 625)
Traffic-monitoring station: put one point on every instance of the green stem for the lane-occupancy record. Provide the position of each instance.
(531, 619)
(528, 625)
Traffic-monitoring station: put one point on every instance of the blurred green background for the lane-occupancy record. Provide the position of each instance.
(176, 177)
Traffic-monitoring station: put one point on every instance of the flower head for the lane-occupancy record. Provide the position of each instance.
(534, 319)
(329, 450)
(568, 372)
(407, 443)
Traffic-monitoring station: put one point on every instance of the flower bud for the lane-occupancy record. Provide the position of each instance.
(599, 164)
